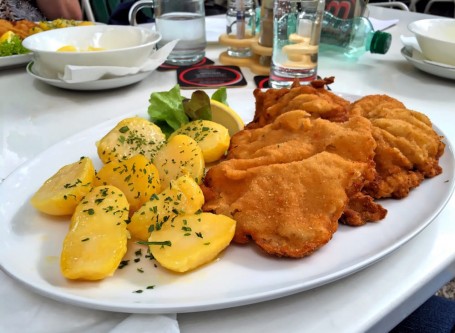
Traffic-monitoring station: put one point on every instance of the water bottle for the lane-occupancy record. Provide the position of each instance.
(352, 37)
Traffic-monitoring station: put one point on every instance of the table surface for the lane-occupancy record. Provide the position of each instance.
(34, 116)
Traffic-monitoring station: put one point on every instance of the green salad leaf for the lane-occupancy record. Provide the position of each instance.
(198, 107)
(12, 46)
(166, 110)
(170, 110)
(221, 96)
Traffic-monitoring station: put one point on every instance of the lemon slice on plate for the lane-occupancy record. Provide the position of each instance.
(226, 116)
(7, 36)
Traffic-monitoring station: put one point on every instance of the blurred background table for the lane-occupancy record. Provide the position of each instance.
(34, 116)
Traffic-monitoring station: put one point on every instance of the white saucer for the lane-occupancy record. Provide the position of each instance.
(417, 59)
(91, 85)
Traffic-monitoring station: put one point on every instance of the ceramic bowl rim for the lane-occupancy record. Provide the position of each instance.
(414, 28)
(155, 35)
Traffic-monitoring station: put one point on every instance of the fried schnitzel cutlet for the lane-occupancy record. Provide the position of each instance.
(408, 148)
(298, 175)
(297, 132)
(310, 159)
(318, 102)
(287, 209)
(294, 136)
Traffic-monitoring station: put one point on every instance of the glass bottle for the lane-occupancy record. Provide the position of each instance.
(240, 24)
(352, 37)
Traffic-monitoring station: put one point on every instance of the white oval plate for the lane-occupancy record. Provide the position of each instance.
(15, 60)
(415, 58)
(30, 246)
(104, 84)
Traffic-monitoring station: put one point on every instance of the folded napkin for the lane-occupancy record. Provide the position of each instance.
(382, 24)
(77, 74)
(24, 311)
(416, 52)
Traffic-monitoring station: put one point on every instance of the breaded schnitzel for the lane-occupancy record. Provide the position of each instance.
(408, 148)
(318, 102)
(288, 183)
(311, 159)
(288, 209)
(294, 136)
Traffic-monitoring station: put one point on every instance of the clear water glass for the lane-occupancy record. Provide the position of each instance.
(296, 34)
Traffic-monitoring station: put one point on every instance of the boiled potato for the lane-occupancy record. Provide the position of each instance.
(180, 156)
(97, 239)
(130, 137)
(189, 241)
(136, 177)
(183, 196)
(60, 194)
(212, 138)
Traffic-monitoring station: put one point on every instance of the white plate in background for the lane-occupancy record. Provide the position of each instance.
(15, 60)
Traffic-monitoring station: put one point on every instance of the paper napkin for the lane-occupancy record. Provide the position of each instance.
(77, 74)
(410, 42)
(382, 24)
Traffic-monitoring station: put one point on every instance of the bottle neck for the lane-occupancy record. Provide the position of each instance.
(368, 40)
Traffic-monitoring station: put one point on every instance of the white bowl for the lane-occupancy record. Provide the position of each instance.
(436, 38)
(124, 46)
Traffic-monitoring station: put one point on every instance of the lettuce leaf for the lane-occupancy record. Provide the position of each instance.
(166, 110)
(198, 107)
(170, 110)
(221, 95)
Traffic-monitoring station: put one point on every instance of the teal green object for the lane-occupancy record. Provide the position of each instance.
(352, 37)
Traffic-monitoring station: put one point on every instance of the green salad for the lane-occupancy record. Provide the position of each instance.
(170, 110)
(11, 44)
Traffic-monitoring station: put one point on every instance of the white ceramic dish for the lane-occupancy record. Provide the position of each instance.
(123, 46)
(418, 60)
(15, 60)
(105, 84)
(436, 38)
(30, 245)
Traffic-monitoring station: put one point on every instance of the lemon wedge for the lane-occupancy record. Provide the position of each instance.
(226, 116)
(67, 48)
(7, 36)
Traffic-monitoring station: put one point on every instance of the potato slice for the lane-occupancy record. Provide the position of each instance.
(212, 138)
(130, 137)
(97, 239)
(183, 196)
(190, 241)
(60, 194)
(136, 177)
(180, 156)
